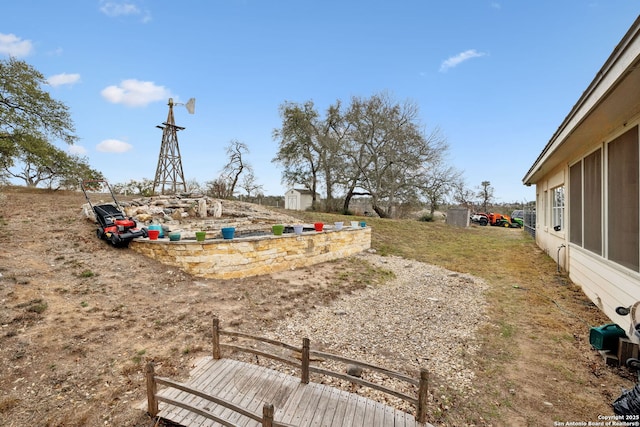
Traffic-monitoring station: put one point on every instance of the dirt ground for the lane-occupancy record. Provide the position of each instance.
(80, 319)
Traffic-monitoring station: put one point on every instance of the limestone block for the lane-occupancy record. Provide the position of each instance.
(202, 208)
(216, 209)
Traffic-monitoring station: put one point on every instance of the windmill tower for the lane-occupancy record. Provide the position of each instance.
(169, 175)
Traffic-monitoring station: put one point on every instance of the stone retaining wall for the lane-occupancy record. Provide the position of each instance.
(253, 256)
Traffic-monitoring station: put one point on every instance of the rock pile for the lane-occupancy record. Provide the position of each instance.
(190, 213)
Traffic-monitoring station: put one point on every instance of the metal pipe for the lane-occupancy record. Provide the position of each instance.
(558, 255)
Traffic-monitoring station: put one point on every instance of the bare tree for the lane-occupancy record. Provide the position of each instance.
(193, 186)
(250, 185)
(390, 150)
(217, 188)
(235, 166)
(462, 194)
(438, 182)
(485, 193)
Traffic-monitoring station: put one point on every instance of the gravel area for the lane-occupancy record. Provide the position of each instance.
(426, 317)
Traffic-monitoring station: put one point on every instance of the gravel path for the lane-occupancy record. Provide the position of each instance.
(424, 318)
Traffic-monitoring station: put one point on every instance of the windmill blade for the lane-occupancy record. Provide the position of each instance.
(191, 105)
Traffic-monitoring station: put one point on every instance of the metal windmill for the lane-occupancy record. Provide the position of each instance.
(169, 175)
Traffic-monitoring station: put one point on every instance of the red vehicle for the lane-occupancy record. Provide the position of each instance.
(113, 226)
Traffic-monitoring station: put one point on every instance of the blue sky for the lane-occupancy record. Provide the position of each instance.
(497, 77)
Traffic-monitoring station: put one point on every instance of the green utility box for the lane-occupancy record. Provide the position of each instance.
(605, 337)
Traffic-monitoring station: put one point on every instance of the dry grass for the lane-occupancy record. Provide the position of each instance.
(535, 358)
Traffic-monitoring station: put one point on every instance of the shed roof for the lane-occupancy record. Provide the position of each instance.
(302, 191)
(612, 99)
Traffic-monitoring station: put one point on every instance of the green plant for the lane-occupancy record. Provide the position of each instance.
(34, 306)
(426, 218)
(137, 358)
(87, 273)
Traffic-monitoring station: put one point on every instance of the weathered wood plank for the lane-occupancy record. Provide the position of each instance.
(204, 369)
(241, 377)
(378, 419)
(344, 401)
(290, 412)
(269, 390)
(390, 418)
(369, 413)
(347, 418)
(359, 412)
(217, 373)
(316, 410)
(250, 386)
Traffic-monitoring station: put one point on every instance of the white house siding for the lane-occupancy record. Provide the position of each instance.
(608, 112)
(547, 238)
(606, 284)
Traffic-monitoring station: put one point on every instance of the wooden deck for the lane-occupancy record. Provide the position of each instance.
(296, 404)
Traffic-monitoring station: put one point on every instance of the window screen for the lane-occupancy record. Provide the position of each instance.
(575, 204)
(622, 186)
(593, 202)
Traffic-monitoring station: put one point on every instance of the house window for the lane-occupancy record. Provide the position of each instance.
(545, 203)
(557, 208)
(592, 190)
(623, 200)
(575, 204)
(585, 202)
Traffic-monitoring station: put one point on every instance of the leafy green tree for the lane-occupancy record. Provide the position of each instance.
(27, 111)
(375, 147)
(299, 149)
(311, 149)
(390, 151)
(75, 171)
(143, 187)
(39, 162)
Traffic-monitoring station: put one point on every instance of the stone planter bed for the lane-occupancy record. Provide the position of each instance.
(256, 254)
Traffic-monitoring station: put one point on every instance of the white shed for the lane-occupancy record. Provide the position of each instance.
(298, 199)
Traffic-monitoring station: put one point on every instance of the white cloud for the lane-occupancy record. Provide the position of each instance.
(454, 61)
(12, 45)
(63, 79)
(123, 8)
(78, 150)
(111, 8)
(135, 93)
(113, 146)
(56, 52)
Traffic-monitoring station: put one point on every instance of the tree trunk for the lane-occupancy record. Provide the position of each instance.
(380, 211)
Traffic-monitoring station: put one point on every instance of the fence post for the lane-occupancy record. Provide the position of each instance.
(267, 415)
(423, 396)
(305, 360)
(215, 339)
(152, 402)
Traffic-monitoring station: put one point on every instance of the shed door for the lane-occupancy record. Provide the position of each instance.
(292, 202)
